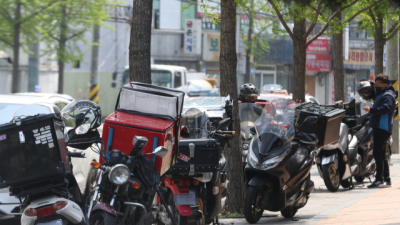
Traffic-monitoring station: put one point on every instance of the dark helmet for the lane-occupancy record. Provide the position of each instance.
(365, 89)
(248, 93)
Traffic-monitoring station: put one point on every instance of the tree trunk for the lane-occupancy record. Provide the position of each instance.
(247, 78)
(61, 50)
(379, 45)
(139, 48)
(299, 59)
(17, 30)
(337, 54)
(228, 62)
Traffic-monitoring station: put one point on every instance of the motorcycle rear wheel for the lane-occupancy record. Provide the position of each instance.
(102, 218)
(331, 176)
(251, 212)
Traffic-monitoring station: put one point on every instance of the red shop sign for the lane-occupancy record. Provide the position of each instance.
(319, 45)
(318, 63)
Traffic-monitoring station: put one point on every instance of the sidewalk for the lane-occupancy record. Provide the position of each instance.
(380, 207)
(358, 206)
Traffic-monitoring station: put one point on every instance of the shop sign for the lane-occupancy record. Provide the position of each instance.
(318, 63)
(211, 47)
(361, 59)
(192, 37)
(319, 45)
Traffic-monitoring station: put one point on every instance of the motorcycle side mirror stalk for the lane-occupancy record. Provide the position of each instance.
(223, 124)
(160, 151)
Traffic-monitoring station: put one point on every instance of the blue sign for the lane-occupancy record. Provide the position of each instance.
(37, 88)
(204, 69)
(121, 78)
(252, 71)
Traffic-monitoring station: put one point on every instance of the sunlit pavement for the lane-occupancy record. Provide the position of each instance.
(358, 206)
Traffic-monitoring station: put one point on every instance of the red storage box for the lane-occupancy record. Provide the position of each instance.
(159, 132)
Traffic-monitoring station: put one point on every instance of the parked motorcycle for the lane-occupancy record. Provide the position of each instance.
(197, 184)
(352, 155)
(43, 181)
(279, 163)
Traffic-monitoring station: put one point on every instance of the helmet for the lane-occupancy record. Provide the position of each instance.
(85, 117)
(248, 93)
(366, 89)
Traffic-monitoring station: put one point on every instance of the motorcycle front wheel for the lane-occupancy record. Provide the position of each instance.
(331, 177)
(102, 218)
(252, 212)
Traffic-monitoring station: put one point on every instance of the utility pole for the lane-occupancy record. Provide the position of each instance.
(392, 69)
(247, 78)
(94, 67)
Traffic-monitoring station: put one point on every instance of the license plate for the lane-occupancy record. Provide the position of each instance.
(54, 222)
(185, 198)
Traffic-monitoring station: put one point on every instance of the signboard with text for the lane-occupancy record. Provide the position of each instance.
(360, 59)
(211, 47)
(319, 45)
(318, 63)
(192, 37)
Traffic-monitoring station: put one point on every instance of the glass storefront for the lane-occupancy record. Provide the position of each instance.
(352, 77)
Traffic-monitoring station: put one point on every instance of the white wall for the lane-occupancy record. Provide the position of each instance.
(320, 88)
(170, 14)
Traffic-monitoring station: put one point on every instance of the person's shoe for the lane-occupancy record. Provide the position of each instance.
(376, 184)
(388, 182)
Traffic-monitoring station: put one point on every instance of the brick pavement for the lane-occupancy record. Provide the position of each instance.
(325, 207)
(380, 207)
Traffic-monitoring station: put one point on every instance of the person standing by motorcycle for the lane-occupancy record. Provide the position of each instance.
(381, 121)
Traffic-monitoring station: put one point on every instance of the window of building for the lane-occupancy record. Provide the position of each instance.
(157, 14)
(187, 13)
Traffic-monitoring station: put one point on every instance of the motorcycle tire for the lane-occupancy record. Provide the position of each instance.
(359, 179)
(102, 218)
(202, 221)
(287, 211)
(250, 212)
(331, 177)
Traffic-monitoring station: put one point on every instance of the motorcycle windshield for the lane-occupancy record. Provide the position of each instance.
(197, 123)
(275, 131)
(247, 115)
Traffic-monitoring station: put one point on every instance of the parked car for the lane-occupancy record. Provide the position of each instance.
(84, 174)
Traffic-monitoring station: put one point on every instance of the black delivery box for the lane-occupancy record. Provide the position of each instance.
(327, 127)
(196, 156)
(32, 148)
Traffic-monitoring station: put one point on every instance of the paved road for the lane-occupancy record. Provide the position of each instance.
(325, 207)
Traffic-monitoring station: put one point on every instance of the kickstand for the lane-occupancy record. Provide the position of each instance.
(292, 216)
(351, 184)
(215, 221)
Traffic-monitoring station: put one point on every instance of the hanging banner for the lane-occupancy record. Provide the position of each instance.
(192, 37)
(318, 63)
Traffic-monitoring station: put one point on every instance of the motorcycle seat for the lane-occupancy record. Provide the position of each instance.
(307, 138)
(297, 160)
(222, 162)
(352, 153)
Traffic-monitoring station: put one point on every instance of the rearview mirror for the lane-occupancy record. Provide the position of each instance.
(223, 124)
(160, 151)
(257, 110)
(310, 120)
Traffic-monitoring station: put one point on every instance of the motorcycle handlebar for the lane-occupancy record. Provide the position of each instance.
(225, 132)
(76, 154)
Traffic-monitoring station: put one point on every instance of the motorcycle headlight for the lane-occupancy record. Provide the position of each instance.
(271, 163)
(119, 174)
(245, 146)
(252, 158)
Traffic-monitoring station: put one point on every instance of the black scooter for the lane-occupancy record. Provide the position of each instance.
(279, 163)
